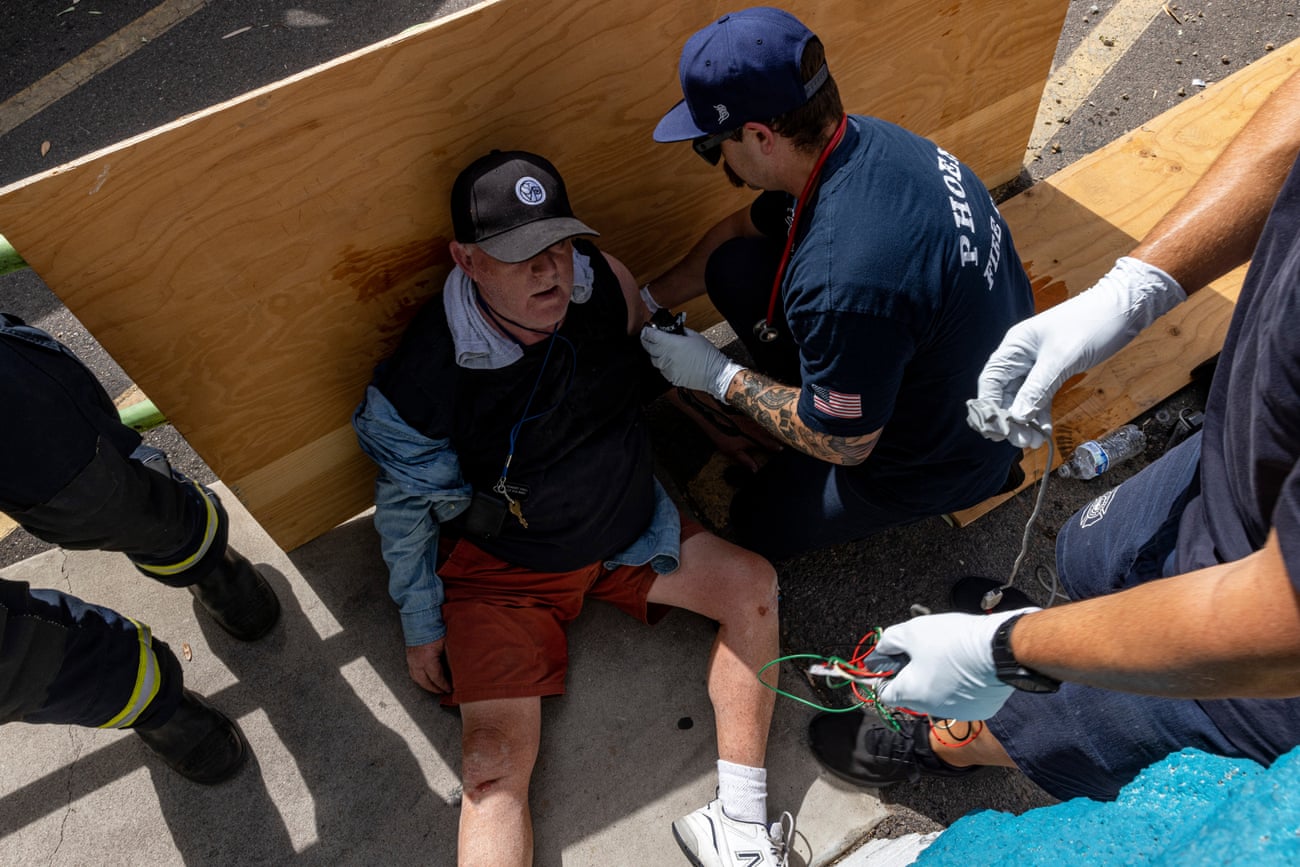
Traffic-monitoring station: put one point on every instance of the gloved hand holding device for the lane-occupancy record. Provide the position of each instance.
(689, 360)
(945, 665)
(1037, 355)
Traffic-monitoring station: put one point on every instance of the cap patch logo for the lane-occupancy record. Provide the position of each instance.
(530, 191)
(723, 114)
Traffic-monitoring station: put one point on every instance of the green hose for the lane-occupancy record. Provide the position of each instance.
(9, 258)
(142, 416)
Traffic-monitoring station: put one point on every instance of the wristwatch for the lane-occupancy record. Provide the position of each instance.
(1010, 671)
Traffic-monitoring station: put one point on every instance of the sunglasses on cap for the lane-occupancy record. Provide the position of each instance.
(709, 147)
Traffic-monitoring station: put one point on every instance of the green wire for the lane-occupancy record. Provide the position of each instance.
(886, 716)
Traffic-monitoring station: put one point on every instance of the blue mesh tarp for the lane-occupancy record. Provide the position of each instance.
(1190, 809)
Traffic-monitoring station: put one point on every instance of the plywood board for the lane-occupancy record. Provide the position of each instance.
(249, 264)
(1072, 227)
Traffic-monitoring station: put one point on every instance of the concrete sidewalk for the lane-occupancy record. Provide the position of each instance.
(355, 764)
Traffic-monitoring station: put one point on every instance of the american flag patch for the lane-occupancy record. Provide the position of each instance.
(836, 404)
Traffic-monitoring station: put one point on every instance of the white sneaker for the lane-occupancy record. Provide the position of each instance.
(711, 838)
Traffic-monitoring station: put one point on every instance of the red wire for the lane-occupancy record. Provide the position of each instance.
(798, 209)
(855, 665)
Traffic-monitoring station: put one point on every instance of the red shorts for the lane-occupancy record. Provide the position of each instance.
(506, 625)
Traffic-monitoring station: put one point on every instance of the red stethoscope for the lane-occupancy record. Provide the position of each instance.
(763, 328)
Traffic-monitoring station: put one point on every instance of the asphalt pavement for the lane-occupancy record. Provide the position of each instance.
(1119, 63)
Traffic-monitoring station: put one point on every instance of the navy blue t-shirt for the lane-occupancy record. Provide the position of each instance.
(902, 282)
(1250, 481)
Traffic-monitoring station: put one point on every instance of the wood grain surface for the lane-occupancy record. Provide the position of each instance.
(249, 264)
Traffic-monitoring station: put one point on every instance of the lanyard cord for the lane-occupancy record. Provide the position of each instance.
(500, 486)
(525, 417)
(811, 184)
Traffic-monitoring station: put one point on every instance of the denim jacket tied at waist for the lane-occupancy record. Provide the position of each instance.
(420, 485)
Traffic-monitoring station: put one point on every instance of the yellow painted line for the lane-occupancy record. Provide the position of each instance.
(31, 101)
(7, 525)
(1075, 78)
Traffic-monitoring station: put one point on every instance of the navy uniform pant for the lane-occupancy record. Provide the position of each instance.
(63, 660)
(73, 475)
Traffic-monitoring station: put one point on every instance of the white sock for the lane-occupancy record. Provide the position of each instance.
(743, 792)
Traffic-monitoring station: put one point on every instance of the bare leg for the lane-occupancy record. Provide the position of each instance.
(499, 743)
(738, 589)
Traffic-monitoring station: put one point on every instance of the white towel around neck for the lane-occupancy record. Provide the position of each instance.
(479, 346)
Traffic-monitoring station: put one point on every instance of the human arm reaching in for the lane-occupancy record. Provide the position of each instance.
(1227, 631)
(1211, 230)
(685, 280)
(691, 361)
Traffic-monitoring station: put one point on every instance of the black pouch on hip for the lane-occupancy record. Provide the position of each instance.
(485, 516)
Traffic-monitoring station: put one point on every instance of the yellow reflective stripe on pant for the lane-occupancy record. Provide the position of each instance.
(147, 680)
(209, 533)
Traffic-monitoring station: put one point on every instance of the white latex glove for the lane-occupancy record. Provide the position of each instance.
(1038, 354)
(946, 664)
(690, 361)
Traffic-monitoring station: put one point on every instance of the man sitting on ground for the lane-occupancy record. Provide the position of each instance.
(510, 417)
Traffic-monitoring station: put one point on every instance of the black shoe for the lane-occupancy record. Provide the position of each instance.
(862, 750)
(199, 742)
(968, 596)
(238, 598)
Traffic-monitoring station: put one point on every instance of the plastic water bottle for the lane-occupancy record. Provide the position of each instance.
(1095, 457)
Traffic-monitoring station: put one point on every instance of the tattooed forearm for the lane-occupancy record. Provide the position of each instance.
(775, 407)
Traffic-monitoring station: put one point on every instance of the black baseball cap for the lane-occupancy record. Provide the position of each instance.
(513, 205)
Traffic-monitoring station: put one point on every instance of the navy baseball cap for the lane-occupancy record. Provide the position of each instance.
(512, 204)
(743, 67)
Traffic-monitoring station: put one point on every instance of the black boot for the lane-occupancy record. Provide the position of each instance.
(238, 598)
(199, 742)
